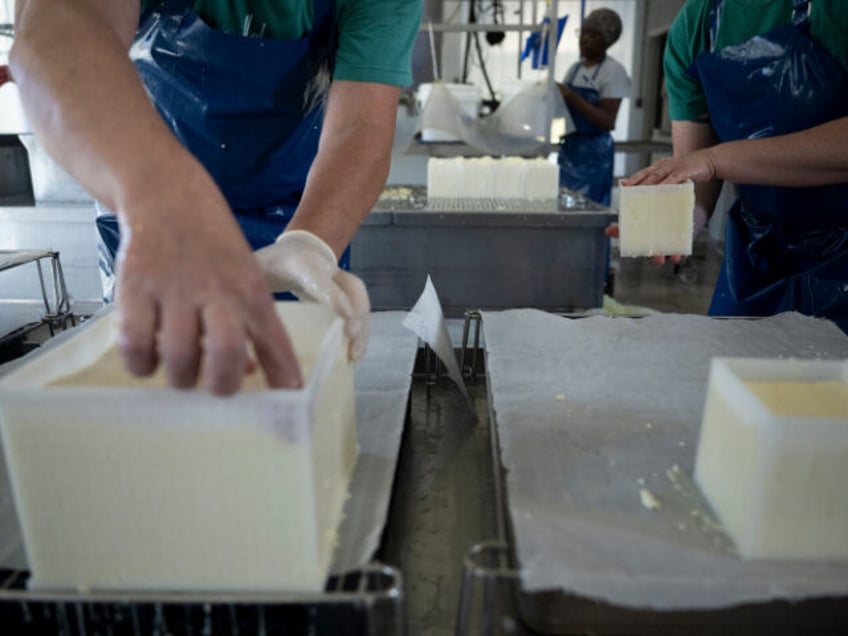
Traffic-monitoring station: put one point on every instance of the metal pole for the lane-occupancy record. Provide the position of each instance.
(520, 33)
(553, 26)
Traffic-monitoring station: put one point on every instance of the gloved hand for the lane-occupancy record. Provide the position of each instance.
(301, 263)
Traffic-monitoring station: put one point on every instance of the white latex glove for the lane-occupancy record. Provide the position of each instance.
(301, 263)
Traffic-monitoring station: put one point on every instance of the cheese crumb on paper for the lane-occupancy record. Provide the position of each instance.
(649, 502)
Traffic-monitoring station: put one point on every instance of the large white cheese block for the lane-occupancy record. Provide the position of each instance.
(542, 179)
(509, 177)
(478, 180)
(656, 219)
(445, 177)
(772, 456)
(122, 484)
(492, 178)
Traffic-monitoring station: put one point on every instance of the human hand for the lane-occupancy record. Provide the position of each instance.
(191, 296)
(698, 166)
(302, 263)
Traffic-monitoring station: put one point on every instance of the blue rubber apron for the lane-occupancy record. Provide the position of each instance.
(586, 155)
(241, 105)
(785, 248)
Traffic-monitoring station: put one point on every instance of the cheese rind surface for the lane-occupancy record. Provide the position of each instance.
(508, 178)
(656, 219)
(144, 488)
(774, 473)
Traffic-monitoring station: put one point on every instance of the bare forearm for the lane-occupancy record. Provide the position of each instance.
(341, 191)
(85, 100)
(689, 137)
(813, 157)
(346, 177)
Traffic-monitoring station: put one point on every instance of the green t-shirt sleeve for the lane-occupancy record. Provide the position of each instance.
(686, 38)
(689, 36)
(376, 39)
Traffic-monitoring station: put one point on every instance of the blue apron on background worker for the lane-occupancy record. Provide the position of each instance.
(593, 90)
(785, 248)
(586, 156)
(251, 113)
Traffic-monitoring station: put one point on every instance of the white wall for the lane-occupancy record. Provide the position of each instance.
(501, 61)
(7, 13)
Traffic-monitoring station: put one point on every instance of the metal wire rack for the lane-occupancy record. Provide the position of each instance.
(57, 311)
(493, 205)
(367, 602)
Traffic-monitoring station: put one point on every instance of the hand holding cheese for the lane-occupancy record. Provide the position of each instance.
(301, 263)
(698, 166)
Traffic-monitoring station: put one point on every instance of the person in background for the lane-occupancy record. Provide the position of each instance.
(759, 97)
(272, 115)
(593, 90)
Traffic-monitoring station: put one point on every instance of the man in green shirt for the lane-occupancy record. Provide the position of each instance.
(758, 93)
(272, 115)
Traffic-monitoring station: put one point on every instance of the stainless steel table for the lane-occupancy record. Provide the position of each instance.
(483, 254)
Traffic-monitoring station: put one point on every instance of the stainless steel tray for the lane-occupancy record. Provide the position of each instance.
(492, 601)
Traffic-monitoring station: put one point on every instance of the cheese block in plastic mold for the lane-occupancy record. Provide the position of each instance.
(772, 456)
(128, 485)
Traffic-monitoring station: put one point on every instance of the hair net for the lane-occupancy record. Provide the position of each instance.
(606, 22)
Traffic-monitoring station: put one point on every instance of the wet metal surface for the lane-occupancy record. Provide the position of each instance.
(443, 501)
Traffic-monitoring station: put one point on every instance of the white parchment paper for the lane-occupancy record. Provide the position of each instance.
(598, 420)
(382, 381)
(427, 320)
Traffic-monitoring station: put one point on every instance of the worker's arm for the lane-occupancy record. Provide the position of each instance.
(813, 157)
(186, 275)
(688, 138)
(344, 182)
(602, 115)
(353, 161)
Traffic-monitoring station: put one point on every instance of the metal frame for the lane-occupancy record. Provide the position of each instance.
(58, 313)
(490, 563)
(371, 598)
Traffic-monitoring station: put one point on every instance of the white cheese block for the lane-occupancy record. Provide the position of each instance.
(656, 219)
(445, 177)
(123, 485)
(479, 182)
(509, 178)
(491, 178)
(542, 180)
(772, 456)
